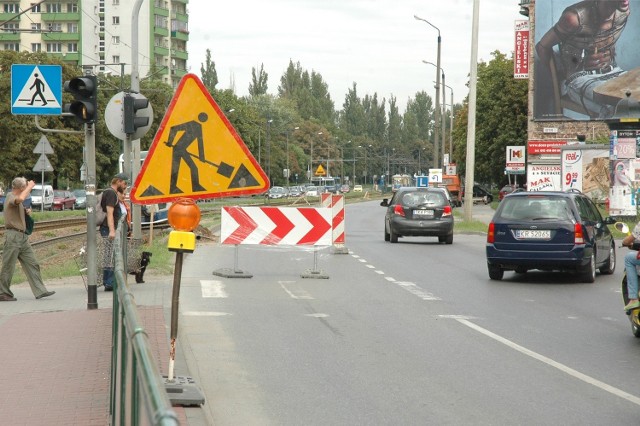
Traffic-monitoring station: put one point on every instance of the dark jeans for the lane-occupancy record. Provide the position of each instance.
(107, 271)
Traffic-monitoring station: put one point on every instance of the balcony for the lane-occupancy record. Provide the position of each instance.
(180, 35)
(9, 36)
(60, 17)
(59, 36)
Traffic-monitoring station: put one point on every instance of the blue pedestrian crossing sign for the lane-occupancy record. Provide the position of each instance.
(36, 89)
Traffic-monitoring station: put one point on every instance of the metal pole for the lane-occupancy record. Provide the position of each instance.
(444, 121)
(90, 187)
(175, 302)
(471, 122)
(136, 215)
(288, 158)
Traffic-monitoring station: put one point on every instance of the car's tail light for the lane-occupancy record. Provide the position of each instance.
(491, 236)
(446, 211)
(578, 234)
(398, 210)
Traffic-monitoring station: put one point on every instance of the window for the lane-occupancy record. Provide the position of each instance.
(115, 40)
(116, 2)
(54, 8)
(115, 20)
(55, 26)
(36, 26)
(12, 46)
(72, 7)
(72, 27)
(35, 8)
(72, 47)
(115, 59)
(11, 8)
(36, 47)
(54, 47)
(11, 26)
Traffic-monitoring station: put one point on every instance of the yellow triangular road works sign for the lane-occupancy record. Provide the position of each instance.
(196, 153)
(320, 171)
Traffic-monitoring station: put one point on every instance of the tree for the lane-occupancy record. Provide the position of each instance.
(501, 119)
(209, 73)
(258, 84)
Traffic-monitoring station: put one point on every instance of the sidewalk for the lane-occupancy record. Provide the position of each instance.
(56, 354)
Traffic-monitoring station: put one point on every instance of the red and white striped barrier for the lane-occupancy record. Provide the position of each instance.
(276, 226)
(336, 203)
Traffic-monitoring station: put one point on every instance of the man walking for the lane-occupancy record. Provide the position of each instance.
(16, 243)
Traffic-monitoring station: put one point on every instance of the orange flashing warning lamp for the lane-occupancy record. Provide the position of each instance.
(184, 217)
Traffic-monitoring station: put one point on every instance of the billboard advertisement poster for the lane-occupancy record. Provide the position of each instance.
(544, 177)
(586, 170)
(586, 53)
(521, 55)
(622, 200)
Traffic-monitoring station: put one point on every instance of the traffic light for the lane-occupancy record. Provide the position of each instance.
(85, 93)
(132, 104)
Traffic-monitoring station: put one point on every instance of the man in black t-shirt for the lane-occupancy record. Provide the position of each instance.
(111, 205)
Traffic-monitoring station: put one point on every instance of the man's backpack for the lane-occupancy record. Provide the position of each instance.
(101, 211)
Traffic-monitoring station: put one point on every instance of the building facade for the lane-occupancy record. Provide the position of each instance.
(97, 34)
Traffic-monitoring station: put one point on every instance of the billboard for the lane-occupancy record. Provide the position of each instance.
(521, 55)
(586, 57)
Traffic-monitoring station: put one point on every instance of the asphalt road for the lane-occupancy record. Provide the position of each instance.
(406, 333)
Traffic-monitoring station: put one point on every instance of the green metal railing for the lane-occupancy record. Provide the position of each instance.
(138, 394)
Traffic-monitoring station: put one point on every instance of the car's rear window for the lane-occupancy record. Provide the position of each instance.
(420, 198)
(524, 208)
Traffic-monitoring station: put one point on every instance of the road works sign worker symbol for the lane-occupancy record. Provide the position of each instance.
(196, 153)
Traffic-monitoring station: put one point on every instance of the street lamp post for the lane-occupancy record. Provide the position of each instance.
(442, 112)
(450, 126)
(311, 159)
(436, 153)
(289, 170)
(269, 121)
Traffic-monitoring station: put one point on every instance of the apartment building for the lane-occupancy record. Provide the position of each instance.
(97, 34)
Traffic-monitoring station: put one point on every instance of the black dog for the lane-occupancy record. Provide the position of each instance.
(144, 261)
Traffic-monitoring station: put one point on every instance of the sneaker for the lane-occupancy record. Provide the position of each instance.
(7, 298)
(632, 305)
(108, 288)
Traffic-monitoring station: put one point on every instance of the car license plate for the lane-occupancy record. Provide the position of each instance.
(533, 234)
(423, 213)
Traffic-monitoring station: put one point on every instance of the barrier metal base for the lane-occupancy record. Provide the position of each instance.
(182, 391)
(310, 273)
(340, 250)
(231, 273)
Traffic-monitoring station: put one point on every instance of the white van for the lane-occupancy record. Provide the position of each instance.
(37, 198)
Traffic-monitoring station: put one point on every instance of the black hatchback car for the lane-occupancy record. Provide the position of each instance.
(418, 212)
(550, 231)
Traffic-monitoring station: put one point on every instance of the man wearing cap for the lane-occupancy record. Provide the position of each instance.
(16, 243)
(111, 205)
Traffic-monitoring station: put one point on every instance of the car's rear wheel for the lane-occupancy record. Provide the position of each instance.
(610, 265)
(589, 273)
(393, 237)
(495, 272)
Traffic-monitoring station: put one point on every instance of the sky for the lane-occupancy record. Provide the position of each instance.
(378, 44)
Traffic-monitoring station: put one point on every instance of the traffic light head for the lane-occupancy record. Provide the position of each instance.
(85, 93)
(132, 103)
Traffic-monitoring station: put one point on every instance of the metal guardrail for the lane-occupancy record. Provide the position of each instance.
(137, 394)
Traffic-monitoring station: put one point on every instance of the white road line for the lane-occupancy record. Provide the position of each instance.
(567, 370)
(379, 272)
(213, 289)
(204, 314)
(297, 293)
(363, 260)
(370, 266)
(417, 291)
(390, 279)
(317, 315)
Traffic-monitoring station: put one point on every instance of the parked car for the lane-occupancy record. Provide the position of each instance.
(357, 188)
(418, 212)
(63, 200)
(295, 191)
(277, 192)
(312, 191)
(345, 188)
(81, 198)
(505, 190)
(42, 196)
(550, 231)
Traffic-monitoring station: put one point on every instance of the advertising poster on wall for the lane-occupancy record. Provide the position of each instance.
(622, 200)
(587, 170)
(586, 55)
(544, 177)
